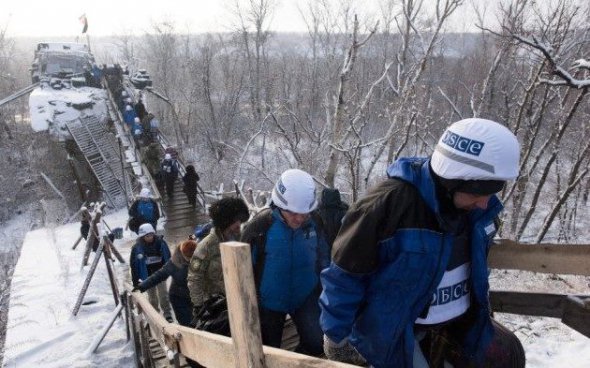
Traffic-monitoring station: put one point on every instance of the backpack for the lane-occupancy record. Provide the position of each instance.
(167, 166)
(145, 209)
(213, 317)
(202, 230)
(331, 210)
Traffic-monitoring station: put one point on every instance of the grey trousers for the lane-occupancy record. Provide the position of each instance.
(158, 297)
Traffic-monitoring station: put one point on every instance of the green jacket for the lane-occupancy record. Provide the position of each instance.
(205, 275)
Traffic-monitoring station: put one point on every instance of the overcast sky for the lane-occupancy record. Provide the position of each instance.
(107, 17)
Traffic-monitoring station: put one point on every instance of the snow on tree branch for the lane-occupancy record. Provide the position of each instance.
(565, 77)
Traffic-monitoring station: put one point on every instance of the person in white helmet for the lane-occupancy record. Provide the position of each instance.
(408, 283)
(289, 251)
(149, 253)
(129, 116)
(169, 172)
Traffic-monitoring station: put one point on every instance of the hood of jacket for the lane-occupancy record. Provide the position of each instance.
(178, 258)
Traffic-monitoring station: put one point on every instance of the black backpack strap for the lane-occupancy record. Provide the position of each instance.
(319, 230)
(255, 235)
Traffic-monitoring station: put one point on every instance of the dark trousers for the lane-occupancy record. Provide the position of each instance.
(505, 350)
(183, 310)
(306, 319)
(169, 180)
(191, 196)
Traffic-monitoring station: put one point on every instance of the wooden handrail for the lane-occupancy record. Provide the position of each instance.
(213, 350)
(566, 259)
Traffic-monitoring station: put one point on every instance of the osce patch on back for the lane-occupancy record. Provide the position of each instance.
(462, 144)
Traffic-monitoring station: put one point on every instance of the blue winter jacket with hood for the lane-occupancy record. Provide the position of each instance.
(292, 264)
(388, 260)
(138, 258)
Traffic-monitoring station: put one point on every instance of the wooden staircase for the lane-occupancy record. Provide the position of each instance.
(181, 217)
(101, 151)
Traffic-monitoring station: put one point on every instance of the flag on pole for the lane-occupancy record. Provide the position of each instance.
(84, 21)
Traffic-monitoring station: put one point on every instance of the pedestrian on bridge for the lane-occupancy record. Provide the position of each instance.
(169, 172)
(289, 251)
(177, 268)
(143, 210)
(149, 253)
(178, 294)
(205, 275)
(408, 283)
(190, 180)
(137, 131)
(129, 116)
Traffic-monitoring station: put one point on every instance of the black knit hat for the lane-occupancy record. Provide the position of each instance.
(226, 211)
(479, 187)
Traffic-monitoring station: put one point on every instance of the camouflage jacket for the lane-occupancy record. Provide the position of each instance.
(205, 275)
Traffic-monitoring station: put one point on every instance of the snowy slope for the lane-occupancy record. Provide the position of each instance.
(47, 280)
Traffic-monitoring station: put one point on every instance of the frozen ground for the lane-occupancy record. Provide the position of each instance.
(547, 342)
(47, 280)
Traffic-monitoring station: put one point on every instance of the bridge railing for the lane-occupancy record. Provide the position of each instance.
(243, 349)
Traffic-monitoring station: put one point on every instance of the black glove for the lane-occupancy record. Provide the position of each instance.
(342, 352)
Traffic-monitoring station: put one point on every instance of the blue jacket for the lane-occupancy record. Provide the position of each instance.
(377, 309)
(129, 117)
(291, 266)
(138, 258)
(145, 211)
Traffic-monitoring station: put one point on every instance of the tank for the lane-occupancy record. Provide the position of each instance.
(69, 87)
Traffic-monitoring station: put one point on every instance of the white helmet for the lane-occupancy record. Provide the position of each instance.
(128, 108)
(167, 156)
(145, 229)
(295, 192)
(137, 120)
(124, 93)
(145, 193)
(476, 149)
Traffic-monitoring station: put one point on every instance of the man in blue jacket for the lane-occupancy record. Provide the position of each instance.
(289, 251)
(148, 255)
(408, 284)
(143, 210)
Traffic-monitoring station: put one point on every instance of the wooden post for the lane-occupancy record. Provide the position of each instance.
(88, 278)
(242, 304)
(125, 303)
(145, 344)
(93, 233)
(77, 242)
(114, 250)
(83, 193)
(98, 339)
(133, 328)
(112, 277)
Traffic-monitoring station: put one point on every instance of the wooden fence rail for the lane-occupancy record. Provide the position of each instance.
(244, 348)
(566, 259)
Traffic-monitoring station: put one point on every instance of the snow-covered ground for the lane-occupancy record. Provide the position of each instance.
(47, 280)
(548, 343)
